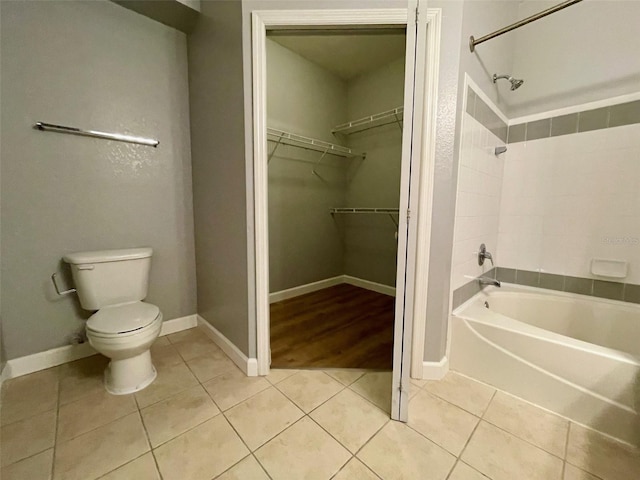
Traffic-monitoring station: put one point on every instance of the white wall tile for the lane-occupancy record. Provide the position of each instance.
(567, 199)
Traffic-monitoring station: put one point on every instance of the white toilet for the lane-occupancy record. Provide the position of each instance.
(115, 282)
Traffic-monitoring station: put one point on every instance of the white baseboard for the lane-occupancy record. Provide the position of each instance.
(307, 288)
(68, 353)
(330, 282)
(179, 324)
(435, 370)
(368, 285)
(248, 365)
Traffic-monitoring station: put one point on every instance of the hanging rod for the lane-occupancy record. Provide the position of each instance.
(286, 138)
(473, 42)
(94, 133)
(372, 121)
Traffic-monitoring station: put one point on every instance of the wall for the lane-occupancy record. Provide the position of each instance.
(305, 243)
(584, 53)
(572, 193)
(221, 204)
(479, 18)
(100, 66)
(479, 188)
(460, 20)
(370, 240)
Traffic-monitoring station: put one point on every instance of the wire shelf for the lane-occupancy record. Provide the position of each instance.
(372, 121)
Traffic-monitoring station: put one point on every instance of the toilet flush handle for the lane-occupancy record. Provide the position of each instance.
(58, 291)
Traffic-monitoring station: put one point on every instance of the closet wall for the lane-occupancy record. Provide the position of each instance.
(370, 240)
(305, 244)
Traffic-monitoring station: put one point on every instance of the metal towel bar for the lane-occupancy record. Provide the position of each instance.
(94, 133)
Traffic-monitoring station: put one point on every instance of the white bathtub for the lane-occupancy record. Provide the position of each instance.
(575, 355)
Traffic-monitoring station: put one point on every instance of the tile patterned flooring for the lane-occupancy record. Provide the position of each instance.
(203, 419)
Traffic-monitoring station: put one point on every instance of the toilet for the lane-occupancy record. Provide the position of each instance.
(114, 282)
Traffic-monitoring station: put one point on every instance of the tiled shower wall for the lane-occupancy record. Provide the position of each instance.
(571, 193)
(568, 191)
(479, 187)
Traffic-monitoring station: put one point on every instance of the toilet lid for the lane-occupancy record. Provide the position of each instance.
(123, 318)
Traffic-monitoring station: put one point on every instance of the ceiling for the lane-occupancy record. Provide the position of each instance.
(346, 55)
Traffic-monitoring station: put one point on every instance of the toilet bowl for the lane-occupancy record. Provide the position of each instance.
(114, 282)
(125, 333)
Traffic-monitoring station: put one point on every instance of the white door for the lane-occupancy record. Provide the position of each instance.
(410, 171)
(407, 228)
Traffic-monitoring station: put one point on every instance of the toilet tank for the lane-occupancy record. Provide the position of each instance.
(110, 277)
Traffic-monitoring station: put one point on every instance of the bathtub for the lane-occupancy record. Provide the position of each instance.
(575, 355)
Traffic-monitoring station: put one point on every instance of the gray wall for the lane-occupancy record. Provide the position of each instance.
(90, 64)
(460, 20)
(370, 242)
(224, 263)
(584, 53)
(305, 243)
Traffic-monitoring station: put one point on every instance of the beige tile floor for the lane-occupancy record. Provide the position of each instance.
(203, 419)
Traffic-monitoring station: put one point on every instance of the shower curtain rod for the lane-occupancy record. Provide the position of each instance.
(473, 42)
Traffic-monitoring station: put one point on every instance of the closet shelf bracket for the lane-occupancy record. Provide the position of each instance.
(391, 212)
(372, 121)
(287, 138)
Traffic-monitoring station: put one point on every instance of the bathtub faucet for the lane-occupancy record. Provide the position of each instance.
(488, 281)
(484, 255)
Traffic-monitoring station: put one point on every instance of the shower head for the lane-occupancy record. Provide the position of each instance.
(515, 82)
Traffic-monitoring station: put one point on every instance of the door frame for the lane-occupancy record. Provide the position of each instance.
(417, 223)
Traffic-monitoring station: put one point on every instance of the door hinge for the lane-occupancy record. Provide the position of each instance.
(400, 387)
(417, 14)
(408, 215)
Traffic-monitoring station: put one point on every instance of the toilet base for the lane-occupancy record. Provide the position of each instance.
(129, 375)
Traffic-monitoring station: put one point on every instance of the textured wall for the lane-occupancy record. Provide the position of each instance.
(370, 241)
(224, 269)
(305, 243)
(97, 65)
(583, 53)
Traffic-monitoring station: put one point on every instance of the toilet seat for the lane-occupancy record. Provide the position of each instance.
(122, 320)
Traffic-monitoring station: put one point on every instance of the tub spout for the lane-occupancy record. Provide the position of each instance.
(488, 281)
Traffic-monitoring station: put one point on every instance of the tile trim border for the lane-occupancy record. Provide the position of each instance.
(469, 289)
(35, 362)
(588, 118)
(593, 287)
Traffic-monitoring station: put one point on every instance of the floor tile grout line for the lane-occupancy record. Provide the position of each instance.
(482, 418)
(522, 439)
(62, 442)
(369, 440)
(317, 406)
(566, 448)
(31, 414)
(370, 401)
(332, 436)
(55, 435)
(231, 467)
(144, 427)
(261, 465)
(473, 432)
(566, 442)
(124, 464)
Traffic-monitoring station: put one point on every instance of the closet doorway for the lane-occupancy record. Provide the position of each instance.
(335, 121)
(416, 171)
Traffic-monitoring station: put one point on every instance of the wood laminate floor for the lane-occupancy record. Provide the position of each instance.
(337, 327)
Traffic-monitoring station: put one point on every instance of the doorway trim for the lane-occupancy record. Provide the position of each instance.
(261, 20)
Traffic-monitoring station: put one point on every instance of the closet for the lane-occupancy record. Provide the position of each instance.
(334, 111)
